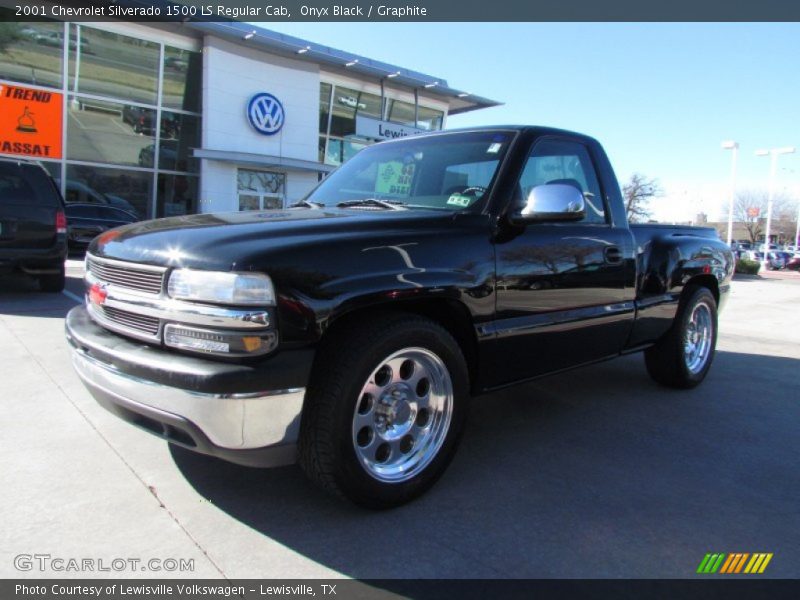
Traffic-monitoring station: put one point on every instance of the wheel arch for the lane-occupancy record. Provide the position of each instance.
(707, 281)
(448, 313)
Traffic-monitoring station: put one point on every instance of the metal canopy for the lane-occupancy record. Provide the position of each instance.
(263, 160)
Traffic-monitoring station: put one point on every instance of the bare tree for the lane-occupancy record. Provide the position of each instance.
(750, 209)
(637, 194)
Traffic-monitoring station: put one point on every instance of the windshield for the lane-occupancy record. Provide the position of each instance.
(442, 172)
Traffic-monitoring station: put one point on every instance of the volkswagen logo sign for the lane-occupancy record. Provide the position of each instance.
(265, 113)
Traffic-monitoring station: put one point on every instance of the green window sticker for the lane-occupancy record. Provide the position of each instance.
(394, 178)
(459, 200)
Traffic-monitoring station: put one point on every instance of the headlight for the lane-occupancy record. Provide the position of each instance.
(251, 289)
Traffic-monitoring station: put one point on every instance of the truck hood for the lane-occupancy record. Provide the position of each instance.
(242, 240)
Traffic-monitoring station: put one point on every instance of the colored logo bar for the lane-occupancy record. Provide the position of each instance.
(736, 562)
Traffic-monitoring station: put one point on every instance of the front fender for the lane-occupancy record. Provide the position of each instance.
(454, 264)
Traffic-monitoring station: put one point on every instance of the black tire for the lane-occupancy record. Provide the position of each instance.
(345, 364)
(669, 363)
(53, 283)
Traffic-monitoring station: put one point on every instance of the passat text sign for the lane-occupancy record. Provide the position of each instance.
(30, 122)
(383, 130)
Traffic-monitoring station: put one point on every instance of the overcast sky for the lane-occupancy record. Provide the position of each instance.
(660, 97)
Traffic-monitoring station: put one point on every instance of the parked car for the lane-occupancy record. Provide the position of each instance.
(55, 39)
(29, 33)
(78, 192)
(142, 120)
(87, 221)
(352, 102)
(793, 264)
(775, 261)
(349, 332)
(176, 63)
(33, 227)
(167, 156)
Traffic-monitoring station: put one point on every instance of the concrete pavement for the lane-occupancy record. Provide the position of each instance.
(594, 473)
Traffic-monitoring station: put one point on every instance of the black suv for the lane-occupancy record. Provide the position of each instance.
(33, 226)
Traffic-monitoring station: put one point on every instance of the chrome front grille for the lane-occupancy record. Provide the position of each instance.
(141, 278)
(128, 320)
(130, 299)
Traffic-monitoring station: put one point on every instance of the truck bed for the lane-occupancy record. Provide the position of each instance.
(645, 231)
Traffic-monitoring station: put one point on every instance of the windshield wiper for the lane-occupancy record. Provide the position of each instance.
(307, 204)
(388, 204)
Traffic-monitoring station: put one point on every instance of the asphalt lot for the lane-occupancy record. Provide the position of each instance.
(595, 473)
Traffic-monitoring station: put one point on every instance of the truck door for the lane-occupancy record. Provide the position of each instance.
(564, 290)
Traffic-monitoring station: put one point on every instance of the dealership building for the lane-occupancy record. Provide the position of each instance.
(186, 117)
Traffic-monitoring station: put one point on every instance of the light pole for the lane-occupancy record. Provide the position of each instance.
(731, 145)
(797, 231)
(796, 238)
(774, 153)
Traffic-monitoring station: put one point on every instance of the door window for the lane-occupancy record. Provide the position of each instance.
(260, 190)
(564, 162)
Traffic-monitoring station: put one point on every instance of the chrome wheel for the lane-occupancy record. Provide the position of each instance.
(698, 337)
(402, 415)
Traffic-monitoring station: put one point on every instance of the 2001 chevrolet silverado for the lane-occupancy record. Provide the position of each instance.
(350, 331)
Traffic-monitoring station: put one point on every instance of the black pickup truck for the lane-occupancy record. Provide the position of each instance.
(349, 331)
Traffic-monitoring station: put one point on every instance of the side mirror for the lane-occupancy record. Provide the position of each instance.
(551, 202)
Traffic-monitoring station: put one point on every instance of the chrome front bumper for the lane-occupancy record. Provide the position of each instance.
(255, 428)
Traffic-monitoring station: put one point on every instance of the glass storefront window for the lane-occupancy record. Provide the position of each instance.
(177, 195)
(324, 106)
(129, 132)
(179, 135)
(182, 76)
(402, 113)
(110, 64)
(333, 155)
(347, 104)
(53, 168)
(429, 118)
(339, 143)
(31, 52)
(340, 151)
(122, 188)
(107, 132)
(351, 147)
(260, 189)
(248, 202)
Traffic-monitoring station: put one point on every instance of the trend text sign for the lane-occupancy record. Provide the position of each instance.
(30, 122)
